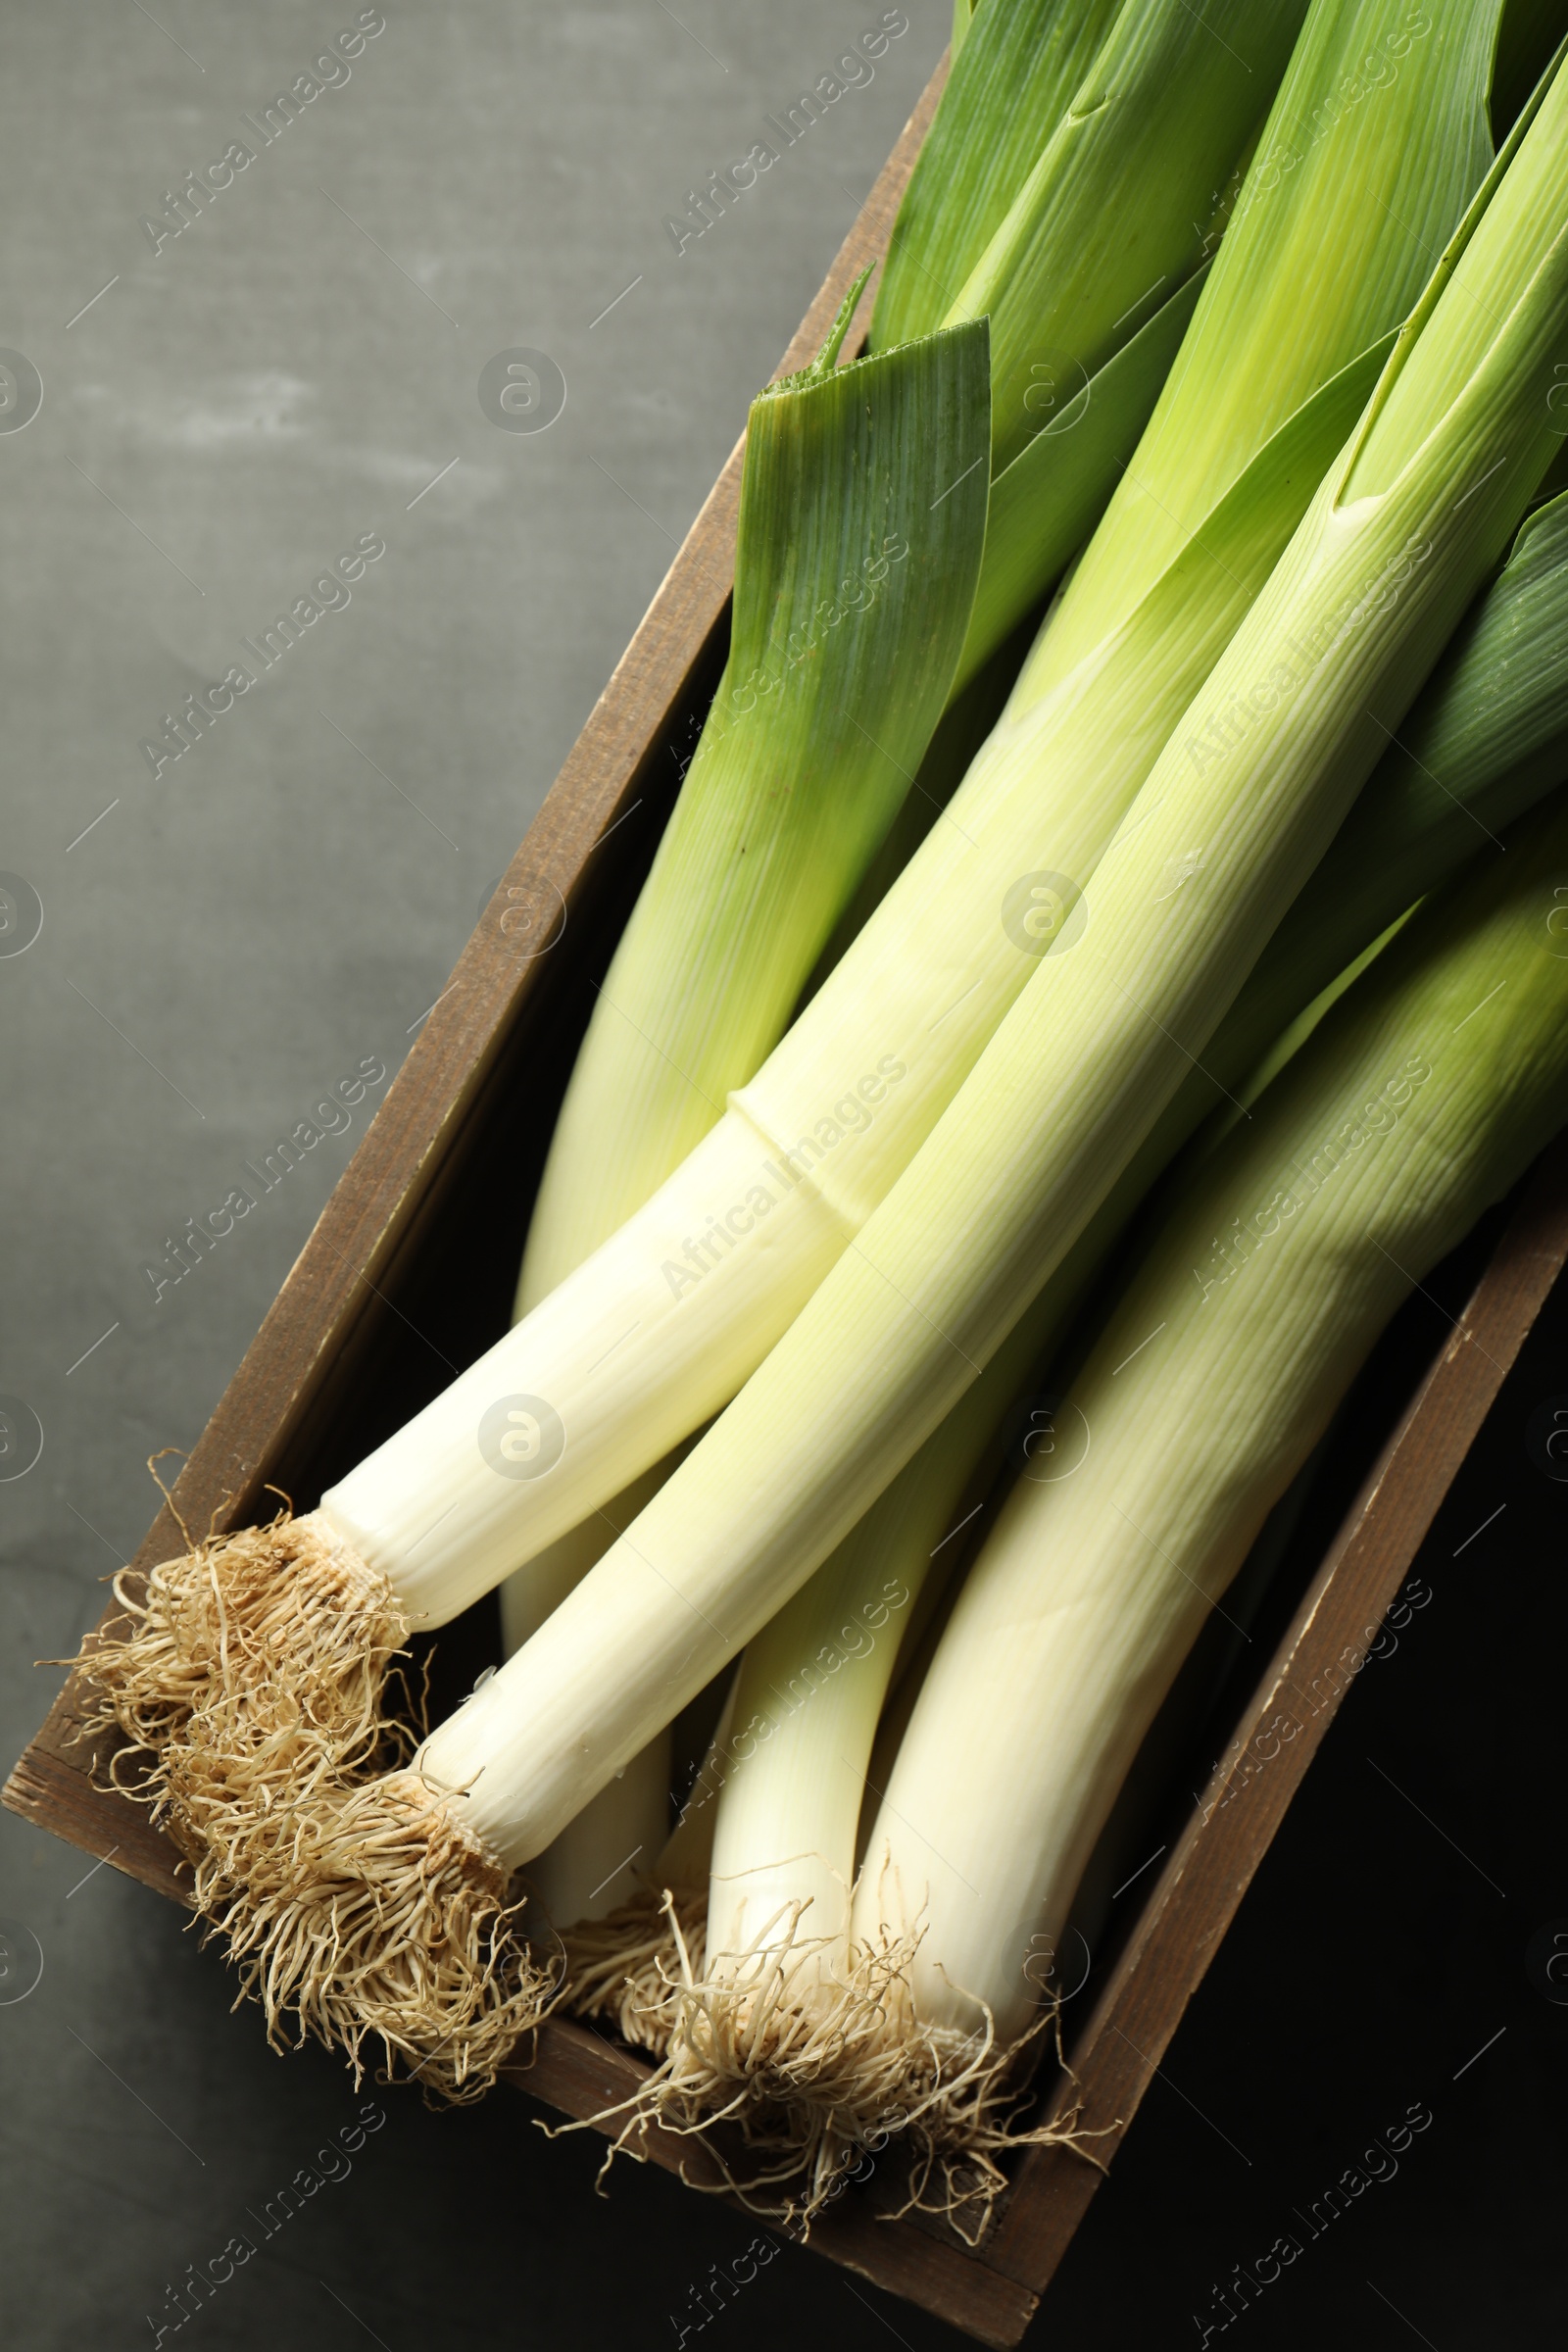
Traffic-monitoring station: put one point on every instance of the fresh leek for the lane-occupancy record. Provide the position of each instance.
(1090, 276)
(1487, 737)
(1419, 1100)
(1012, 79)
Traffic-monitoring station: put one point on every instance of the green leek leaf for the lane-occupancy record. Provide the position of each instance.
(862, 524)
(1047, 502)
(1012, 81)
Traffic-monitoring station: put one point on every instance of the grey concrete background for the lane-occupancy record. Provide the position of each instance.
(220, 419)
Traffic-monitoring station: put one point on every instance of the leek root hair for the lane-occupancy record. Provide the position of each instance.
(264, 1623)
(821, 2067)
(357, 1907)
(354, 1901)
(627, 1967)
(368, 1916)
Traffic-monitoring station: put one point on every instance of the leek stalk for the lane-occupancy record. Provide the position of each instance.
(1420, 1100)
(1091, 277)
(1161, 115)
(1478, 748)
(861, 521)
(1012, 79)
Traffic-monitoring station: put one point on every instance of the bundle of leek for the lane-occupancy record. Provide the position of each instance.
(664, 1322)
(1406, 523)
(333, 1906)
(1487, 738)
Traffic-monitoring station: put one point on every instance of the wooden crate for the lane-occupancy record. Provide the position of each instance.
(409, 1275)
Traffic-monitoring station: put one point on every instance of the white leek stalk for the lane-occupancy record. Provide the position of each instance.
(581, 1874)
(813, 1682)
(619, 1963)
(1419, 1100)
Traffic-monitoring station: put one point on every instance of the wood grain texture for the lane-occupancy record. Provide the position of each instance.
(324, 1377)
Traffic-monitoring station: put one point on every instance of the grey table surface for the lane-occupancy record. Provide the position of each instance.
(224, 412)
